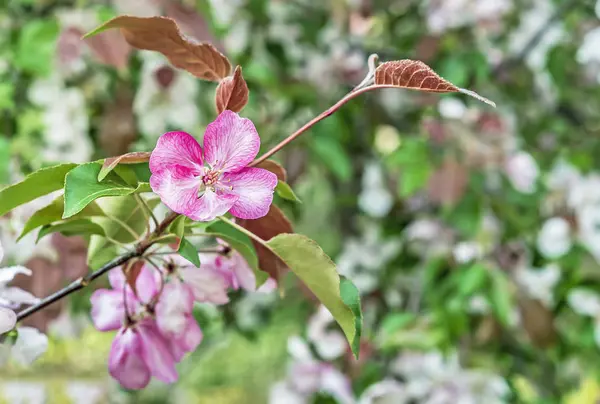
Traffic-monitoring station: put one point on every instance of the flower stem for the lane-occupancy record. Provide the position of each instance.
(243, 230)
(140, 249)
(363, 87)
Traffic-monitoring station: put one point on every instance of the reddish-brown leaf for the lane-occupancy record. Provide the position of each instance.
(447, 185)
(132, 271)
(129, 158)
(416, 75)
(110, 48)
(267, 227)
(275, 168)
(232, 92)
(117, 124)
(161, 34)
(191, 22)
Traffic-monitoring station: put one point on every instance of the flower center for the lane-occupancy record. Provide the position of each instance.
(210, 178)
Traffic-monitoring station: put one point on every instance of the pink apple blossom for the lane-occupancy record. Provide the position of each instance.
(156, 326)
(138, 352)
(205, 183)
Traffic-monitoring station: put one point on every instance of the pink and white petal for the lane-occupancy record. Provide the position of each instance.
(125, 363)
(244, 275)
(187, 341)
(177, 188)
(175, 304)
(18, 296)
(254, 187)
(156, 353)
(108, 310)
(116, 278)
(206, 285)
(7, 274)
(211, 205)
(147, 283)
(176, 148)
(230, 142)
(8, 319)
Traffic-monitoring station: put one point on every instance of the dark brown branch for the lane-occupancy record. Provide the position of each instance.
(84, 281)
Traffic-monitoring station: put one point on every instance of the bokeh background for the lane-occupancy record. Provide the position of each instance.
(472, 233)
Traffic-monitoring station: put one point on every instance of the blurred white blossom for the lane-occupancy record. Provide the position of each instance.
(166, 98)
(539, 283)
(522, 171)
(448, 14)
(587, 303)
(554, 239)
(467, 251)
(375, 199)
(65, 117)
(361, 260)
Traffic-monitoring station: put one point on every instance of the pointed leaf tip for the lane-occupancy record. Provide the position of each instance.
(416, 75)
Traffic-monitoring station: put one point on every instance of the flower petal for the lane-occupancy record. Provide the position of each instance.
(187, 341)
(175, 304)
(147, 283)
(108, 310)
(176, 148)
(213, 204)
(230, 142)
(254, 187)
(30, 345)
(18, 296)
(8, 319)
(7, 274)
(178, 189)
(206, 285)
(125, 362)
(156, 352)
(116, 278)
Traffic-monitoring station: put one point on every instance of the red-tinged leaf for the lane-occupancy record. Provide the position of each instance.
(110, 49)
(275, 168)
(191, 23)
(117, 123)
(129, 158)
(416, 75)
(132, 271)
(161, 34)
(448, 184)
(267, 227)
(232, 92)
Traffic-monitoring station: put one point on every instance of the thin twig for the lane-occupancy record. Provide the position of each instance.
(150, 213)
(76, 285)
(80, 283)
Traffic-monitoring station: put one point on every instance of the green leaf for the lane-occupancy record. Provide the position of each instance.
(53, 213)
(310, 263)
(351, 298)
(334, 156)
(36, 46)
(36, 184)
(176, 229)
(189, 252)
(472, 280)
(242, 244)
(82, 187)
(5, 160)
(110, 163)
(284, 190)
(501, 296)
(395, 321)
(72, 227)
(120, 211)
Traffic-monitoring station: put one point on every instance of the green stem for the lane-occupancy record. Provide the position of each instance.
(245, 231)
(125, 226)
(147, 209)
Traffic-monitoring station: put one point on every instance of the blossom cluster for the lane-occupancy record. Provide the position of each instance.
(154, 319)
